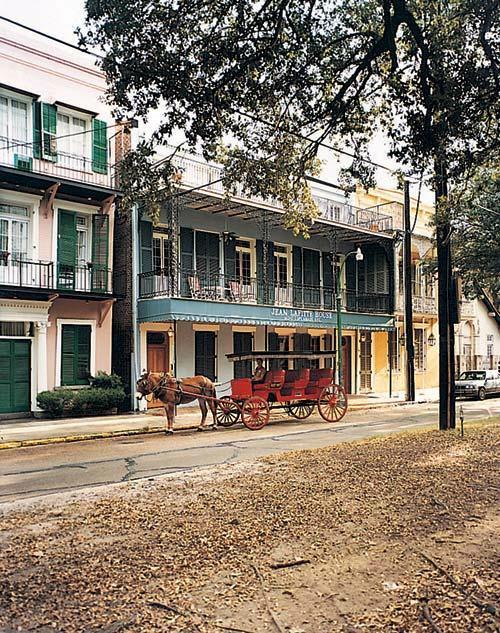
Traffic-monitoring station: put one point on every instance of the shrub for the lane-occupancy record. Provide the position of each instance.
(83, 401)
(102, 380)
(55, 403)
(96, 400)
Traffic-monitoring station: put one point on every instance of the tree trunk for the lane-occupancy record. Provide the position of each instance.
(446, 298)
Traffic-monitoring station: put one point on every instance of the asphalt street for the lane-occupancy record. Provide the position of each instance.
(57, 468)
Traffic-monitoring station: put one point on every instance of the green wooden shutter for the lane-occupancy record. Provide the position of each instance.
(75, 354)
(37, 129)
(298, 299)
(207, 257)
(230, 259)
(99, 146)
(100, 241)
(68, 335)
(15, 376)
(311, 277)
(187, 259)
(146, 242)
(326, 259)
(259, 253)
(242, 342)
(66, 250)
(270, 273)
(45, 131)
(350, 283)
(205, 354)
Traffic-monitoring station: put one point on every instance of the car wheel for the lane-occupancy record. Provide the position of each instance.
(481, 393)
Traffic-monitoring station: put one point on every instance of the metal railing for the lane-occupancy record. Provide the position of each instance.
(196, 172)
(38, 275)
(63, 165)
(421, 304)
(193, 285)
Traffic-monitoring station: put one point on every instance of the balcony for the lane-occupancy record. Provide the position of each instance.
(249, 290)
(37, 275)
(67, 167)
(421, 305)
(207, 179)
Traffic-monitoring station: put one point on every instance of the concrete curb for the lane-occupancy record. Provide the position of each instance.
(160, 429)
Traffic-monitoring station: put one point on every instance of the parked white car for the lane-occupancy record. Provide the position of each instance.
(477, 384)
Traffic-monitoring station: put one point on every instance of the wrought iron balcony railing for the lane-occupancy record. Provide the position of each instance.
(38, 275)
(193, 285)
(421, 305)
(65, 166)
(197, 173)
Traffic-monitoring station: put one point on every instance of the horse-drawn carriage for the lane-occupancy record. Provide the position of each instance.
(296, 391)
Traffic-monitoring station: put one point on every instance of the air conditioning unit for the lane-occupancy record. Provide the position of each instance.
(23, 162)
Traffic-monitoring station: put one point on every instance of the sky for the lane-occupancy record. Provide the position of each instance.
(60, 18)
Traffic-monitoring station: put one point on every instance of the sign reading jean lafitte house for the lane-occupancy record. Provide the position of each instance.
(166, 309)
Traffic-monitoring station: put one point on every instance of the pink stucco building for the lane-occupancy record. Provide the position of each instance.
(57, 200)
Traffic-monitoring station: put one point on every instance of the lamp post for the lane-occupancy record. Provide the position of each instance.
(359, 258)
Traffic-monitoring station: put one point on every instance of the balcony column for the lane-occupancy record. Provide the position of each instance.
(41, 360)
(264, 226)
(173, 265)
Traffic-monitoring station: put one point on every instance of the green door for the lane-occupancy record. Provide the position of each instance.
(66, 250)
(75, 355)
(15, 376)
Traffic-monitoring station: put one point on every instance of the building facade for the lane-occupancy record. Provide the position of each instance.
(56, 219)
(477, 336)
(424, 293)
(220, 274)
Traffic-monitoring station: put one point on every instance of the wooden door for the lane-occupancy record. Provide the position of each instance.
(346, 363)
(158, 357)
(365, 356)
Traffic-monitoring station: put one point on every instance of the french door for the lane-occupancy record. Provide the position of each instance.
(365, 361)
(282, 289)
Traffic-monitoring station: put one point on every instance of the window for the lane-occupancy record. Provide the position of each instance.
(13, 233)
(160, 252)
(14, 128)
(13, 328)
(205, 354)
(72, 138)
(75, 354)
(82, 239)
(394, 350)
(420, 350)
(243, 262)
(315, 347)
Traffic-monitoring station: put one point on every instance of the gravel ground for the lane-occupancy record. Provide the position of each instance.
(394, 534)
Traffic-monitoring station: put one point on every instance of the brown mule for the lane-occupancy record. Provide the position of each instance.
(174, 391)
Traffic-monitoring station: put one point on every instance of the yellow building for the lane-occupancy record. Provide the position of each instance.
(424, 291)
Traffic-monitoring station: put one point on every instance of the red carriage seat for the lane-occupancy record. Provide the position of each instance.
(274, 380)
(295, 380)
(319, 379)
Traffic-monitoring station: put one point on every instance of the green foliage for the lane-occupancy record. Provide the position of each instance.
(88, 401)
(475, 216)
(55, 402)
(106, 381)
(267, 74)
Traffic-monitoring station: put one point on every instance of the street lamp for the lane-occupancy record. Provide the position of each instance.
(359, 258)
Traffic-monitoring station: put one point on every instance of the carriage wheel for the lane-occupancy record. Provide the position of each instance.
(228, 411)
(300, 410)
(332, 403)
(255, 413)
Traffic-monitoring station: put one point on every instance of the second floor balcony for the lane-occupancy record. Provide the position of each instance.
(250, 290)
(421, 304)
(25, 275)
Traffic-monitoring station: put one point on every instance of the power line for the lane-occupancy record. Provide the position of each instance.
(50, 37)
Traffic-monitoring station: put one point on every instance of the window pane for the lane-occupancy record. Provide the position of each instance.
(4, 235)
(157, 253)
(19, 121)
(4, 118)
(78, 141)
(9, 209)
(63, 141)
(19, 239)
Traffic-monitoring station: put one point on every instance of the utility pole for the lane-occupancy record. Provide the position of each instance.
(446, 305)
(407, 282)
